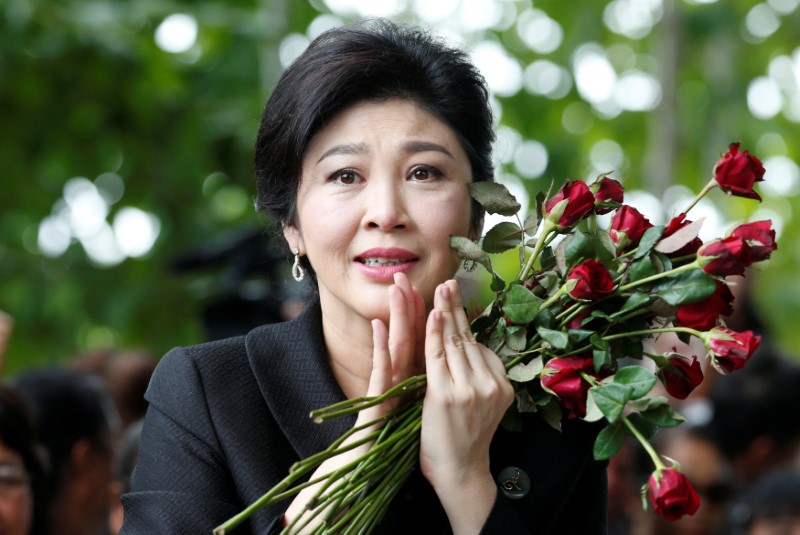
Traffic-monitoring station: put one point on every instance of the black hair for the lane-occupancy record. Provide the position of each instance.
(69, 406)
(371, 61)
(18, 433)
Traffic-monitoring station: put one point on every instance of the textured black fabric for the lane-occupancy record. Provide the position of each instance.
(228, 418)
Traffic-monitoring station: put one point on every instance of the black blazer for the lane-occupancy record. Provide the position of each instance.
(227, 419)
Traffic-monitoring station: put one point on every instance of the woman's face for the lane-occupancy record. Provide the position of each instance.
(16, 502)
(383, 187)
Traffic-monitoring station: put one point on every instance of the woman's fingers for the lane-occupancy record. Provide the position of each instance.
(380, 378)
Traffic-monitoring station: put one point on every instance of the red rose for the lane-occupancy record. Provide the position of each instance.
(675, 224)
(703, 315)
(731, 349)
(592, 280)
(672, 494)
(627, 227)
(607, 193)
(681, 375)
(562, 377)
(728, 256)
(570, 204)
(760, 238)
(737, 172)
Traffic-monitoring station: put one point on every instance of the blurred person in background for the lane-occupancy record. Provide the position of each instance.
(772, 507)
(76, 421)
(126, 374)
(21, 468)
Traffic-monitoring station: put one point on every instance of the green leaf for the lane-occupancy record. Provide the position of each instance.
(520, 305)
(545, 318)
(469, 250)
(516, 337)
(551, 413)
(502, 237)
(557, 339)
(494, 197)
(547, 259)
(663, 416)
(606, 249)
(686, 287)
(648, 241)
(531, 223)
(522, 373)
(639, 379)
(578, 246)
(650, 402)
(632, 303)
(609, 441)
(593, 412)
(641, 269)
(498, 284)
(576, 336)
(611, 399)
(601, 352)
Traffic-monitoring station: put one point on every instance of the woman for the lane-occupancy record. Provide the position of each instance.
(20, 467)
(364, 154)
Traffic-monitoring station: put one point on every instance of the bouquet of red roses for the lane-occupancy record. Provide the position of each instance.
(571, 328)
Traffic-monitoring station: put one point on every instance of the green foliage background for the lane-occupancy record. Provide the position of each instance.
(85, 90)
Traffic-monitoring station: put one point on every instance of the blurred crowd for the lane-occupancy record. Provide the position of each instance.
(69, 438)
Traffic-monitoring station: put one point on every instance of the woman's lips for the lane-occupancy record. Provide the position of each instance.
(382, 263)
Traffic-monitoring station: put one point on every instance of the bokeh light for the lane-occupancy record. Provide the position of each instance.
(177, 33)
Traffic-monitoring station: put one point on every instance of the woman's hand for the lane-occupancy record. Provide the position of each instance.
(398, 353)
(467, 395)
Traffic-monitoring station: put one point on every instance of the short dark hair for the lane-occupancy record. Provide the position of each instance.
(371, 61)
(17, 431)
(68, 406)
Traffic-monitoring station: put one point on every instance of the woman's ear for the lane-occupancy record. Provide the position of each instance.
(293, 237)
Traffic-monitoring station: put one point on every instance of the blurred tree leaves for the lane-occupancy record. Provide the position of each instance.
(85, 90)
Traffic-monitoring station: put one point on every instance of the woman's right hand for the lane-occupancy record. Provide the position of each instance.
(398, 353)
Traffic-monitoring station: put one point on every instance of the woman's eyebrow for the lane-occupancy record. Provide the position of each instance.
(412, 147)
(347, 148)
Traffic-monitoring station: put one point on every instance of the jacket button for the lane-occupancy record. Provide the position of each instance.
(513, 482)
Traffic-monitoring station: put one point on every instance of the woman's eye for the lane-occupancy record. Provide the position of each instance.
(345, 176)
(425, 172)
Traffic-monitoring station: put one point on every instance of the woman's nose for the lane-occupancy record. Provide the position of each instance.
(385, 206)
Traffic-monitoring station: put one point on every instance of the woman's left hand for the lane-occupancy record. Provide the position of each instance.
(467, 395)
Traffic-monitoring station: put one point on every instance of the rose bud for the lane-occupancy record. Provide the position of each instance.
(562, 377)
(607, 193)
(672, 494)
(681, 375)
(760, 238)
(737, 172)
(592, 280)
(731, 350)
(728, 256)
(627, 227)
(675, 224)
(570, 204)
(703, 315)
